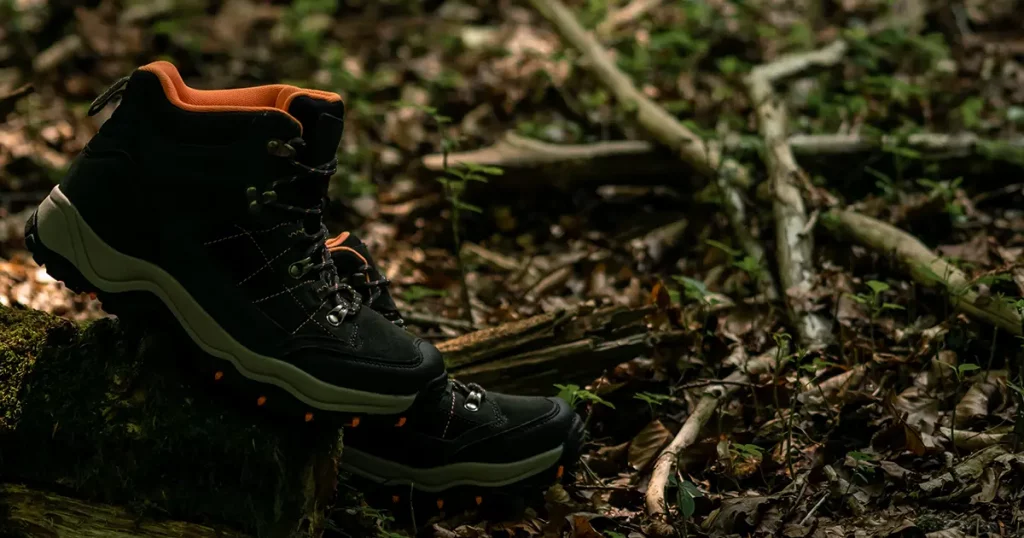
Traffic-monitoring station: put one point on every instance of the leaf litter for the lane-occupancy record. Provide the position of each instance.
(907, 424)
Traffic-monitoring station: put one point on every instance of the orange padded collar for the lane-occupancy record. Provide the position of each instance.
(273, 97)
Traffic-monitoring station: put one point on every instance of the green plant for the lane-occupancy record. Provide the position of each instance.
(575, 395)
(745, 451)
(960, 372)
(876, 305)
(863, 464)
(454, 180)
(946, 191)
(416, 293)
(746, 263)
(686, 492)
(652, 400)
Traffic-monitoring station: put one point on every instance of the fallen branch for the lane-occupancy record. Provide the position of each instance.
(530, 355)
(514, 151)
(664, 466)
(29, 512)
(793, 241)
(706, 159)
(930, 145)
(966, 471)
(926, 268)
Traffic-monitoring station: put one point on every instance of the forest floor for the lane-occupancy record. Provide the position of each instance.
(825, 249)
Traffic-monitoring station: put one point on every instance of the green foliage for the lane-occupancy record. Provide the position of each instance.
(695, 290)
(746, 263)
(686, 492)
(652, 400)
(575, 395)
(970, 111)
(306, 19)
(946, 191)
(417, 293)
(874, 299)
(748, 451)
(961, 370)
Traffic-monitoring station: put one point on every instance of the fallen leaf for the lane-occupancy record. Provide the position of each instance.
(736, 515)
(983, 395)
(581, 526)
(647, 444)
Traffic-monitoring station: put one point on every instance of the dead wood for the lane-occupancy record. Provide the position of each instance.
(793, 240)
(926, 268)
(664, 466)
(532, 354)
(30, 512)
(108, 412)
(705, 158)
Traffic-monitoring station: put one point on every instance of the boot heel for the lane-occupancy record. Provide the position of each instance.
(56, 265)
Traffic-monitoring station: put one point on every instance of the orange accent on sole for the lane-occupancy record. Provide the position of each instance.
(395, 499)
(354, 423)
(309, 417)
(261, 400)
(479, 500)
(401, 422)
(218, 376)
(440, 504)
(560, 472)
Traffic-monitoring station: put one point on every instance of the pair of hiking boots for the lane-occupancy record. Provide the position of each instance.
(211, 201)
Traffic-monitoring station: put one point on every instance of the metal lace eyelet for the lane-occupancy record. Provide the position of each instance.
(299, 268)
(280, 149)
(473, 401)
(269, 197)
(338, 314)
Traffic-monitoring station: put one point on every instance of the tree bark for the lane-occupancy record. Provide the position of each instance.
(109, 414)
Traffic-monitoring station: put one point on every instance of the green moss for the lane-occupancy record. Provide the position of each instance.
(112, 415)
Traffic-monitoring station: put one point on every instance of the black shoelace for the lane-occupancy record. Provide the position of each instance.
(372, 290)
(333, 287)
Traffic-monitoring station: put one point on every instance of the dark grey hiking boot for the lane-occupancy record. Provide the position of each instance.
(211, 202)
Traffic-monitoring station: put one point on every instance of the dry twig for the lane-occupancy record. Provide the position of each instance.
(664, 466)
(703, 157)
(793, 243)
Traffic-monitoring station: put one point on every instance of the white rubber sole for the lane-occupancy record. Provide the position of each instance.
(62, 230)
(434, 479)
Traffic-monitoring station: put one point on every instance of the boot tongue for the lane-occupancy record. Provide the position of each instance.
(322, 122)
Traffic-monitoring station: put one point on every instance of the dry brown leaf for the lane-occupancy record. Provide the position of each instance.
(983, 395)
(581, 526)
(736, 515)
(647, 444)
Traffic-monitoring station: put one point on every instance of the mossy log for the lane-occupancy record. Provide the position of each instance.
(108, 413)
(43, 514)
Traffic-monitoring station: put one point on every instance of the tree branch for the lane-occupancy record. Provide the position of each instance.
(794, 244)
(926, 268)
(705, 158)
(664, 466)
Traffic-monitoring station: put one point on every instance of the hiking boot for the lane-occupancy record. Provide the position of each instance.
(459, 444)
(211, 201)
